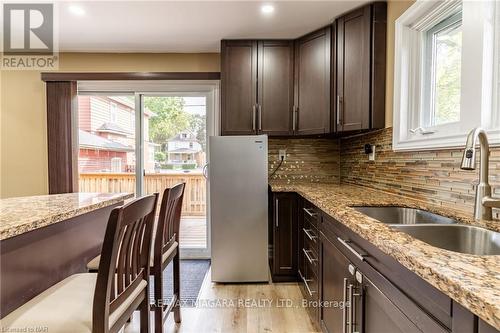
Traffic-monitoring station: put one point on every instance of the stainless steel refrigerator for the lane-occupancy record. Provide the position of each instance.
(237, 175)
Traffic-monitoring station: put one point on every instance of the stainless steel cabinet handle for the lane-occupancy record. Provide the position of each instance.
(307, 210)
(259, 108)
(311, 292)
(311, 260)
(276, 214)
(353, 251)
(350, 326)
(308, 234)
(254, 114)
(294, 117)
(340, 110)
(353, 293)
(344, 324)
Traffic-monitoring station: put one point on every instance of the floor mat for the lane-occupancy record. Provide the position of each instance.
(193, 273)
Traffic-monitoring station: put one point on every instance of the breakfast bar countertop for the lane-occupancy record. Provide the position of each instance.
(471, 280)
(22, 214)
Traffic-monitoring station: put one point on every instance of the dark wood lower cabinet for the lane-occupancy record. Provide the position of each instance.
(334, 266)
(379, 314)
(363, 307)
(283, 256)
(336, 278)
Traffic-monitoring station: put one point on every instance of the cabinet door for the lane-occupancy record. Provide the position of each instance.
(335, 279)
(275, 87)
(353, 70)
(312, 83)
(380, 315)
(285, 235)
(239, 87)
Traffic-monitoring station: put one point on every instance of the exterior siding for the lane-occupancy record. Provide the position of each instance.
(90, 160)
(84, 113)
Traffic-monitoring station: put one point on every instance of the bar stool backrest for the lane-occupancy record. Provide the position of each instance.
(168, 222)
(124, 259)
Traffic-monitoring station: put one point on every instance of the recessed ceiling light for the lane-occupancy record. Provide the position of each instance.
(267, 9)
(76, 10)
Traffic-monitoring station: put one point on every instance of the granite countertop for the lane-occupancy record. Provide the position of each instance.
(471, 280)
(23, 214)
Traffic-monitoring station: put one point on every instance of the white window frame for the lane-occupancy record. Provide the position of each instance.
(113, 112)
(479, 74)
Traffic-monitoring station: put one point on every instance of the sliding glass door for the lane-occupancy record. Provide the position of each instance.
(106, 143)
(174, 150)
(141, 143)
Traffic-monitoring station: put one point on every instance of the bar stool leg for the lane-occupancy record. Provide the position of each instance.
(144, 311)
(177, 277)
(158, 306)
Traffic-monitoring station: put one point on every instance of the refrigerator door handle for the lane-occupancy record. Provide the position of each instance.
(205, 171)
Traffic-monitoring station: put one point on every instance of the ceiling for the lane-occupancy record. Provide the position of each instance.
(185, 26)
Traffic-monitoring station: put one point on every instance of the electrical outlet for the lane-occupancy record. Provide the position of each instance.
(282, 154)
(371, 156)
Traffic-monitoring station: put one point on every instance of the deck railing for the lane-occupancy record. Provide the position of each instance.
(194, 203)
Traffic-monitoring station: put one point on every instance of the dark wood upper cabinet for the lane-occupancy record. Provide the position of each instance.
(359, 99)
(257, 87)
(329, 81)
(312, 83)
(275, 87)
(239, 87)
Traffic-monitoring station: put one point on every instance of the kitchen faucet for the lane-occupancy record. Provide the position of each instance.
(484, 202)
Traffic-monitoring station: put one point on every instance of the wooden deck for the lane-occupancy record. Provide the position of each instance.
(193, 232)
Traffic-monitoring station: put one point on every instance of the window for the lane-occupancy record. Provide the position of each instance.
(113, 112)
(116, 164)
(443, 57)
(443, 86)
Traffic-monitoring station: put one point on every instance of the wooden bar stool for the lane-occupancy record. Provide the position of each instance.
(100, 302)
(165, 249)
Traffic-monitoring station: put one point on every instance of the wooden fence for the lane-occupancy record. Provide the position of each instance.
(194, 203)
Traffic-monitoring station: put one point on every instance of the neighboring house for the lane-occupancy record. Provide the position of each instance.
(107, 135)
(184, 152)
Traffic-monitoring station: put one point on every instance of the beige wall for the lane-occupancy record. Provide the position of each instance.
(394, 10)
(23, 143)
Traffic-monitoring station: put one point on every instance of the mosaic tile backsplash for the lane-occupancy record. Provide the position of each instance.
(308, 160)
(432, 176)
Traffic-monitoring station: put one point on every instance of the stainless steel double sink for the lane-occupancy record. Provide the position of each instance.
(437, 230)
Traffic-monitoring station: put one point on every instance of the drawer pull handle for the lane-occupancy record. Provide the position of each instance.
(308, 233)
(311, 259)
(344, 316)
(350, 248)
(307, 210)
(311, 292)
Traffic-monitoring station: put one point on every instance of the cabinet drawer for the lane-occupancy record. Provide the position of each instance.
(310, 237)
(311, 214)
(309, 286)
(395, 278)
